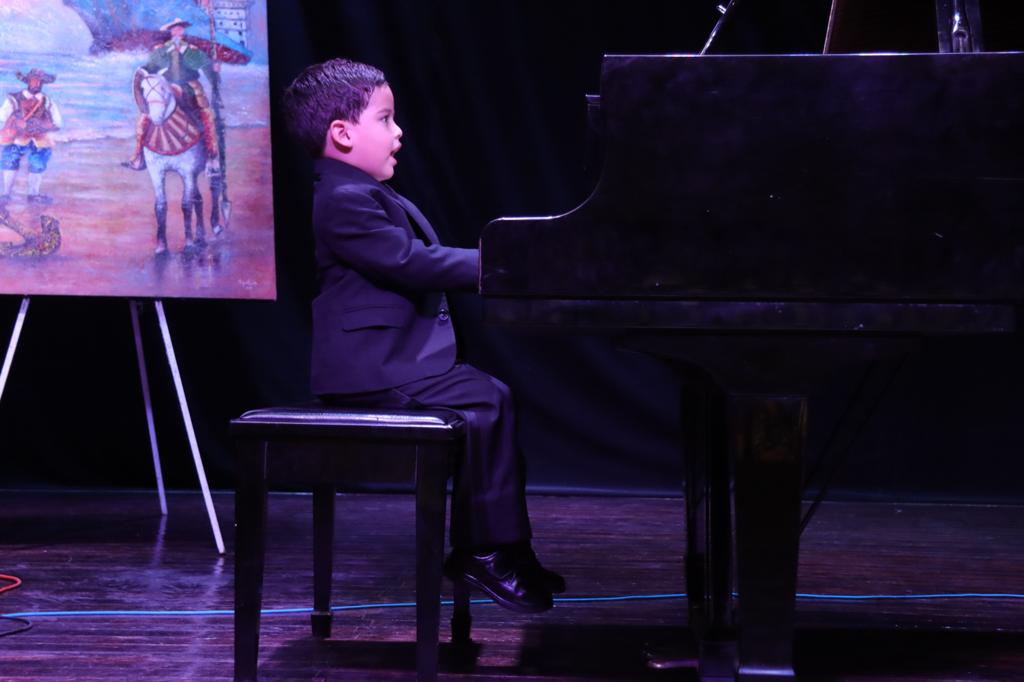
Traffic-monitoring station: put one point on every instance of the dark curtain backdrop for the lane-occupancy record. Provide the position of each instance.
(491, 98)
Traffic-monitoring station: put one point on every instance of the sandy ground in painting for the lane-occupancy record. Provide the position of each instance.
(108, 229)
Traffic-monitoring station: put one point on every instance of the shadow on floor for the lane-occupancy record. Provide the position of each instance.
(554, 650)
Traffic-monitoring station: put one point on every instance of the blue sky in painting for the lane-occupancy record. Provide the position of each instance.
(53, 26)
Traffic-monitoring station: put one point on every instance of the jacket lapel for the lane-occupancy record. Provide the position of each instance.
(421, 221)
(350, 173)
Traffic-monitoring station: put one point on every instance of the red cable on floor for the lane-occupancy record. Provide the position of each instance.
(15, 582)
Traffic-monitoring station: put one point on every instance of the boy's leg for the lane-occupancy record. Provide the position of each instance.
(490, 527)
(488, 500)
(489, 495)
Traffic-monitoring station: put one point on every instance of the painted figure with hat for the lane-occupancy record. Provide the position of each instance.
(27, 119)
(181, 63)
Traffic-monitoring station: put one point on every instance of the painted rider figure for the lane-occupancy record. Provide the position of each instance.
(27, 118)
(182, 62)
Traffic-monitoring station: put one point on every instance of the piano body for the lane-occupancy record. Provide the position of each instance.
(758, 222)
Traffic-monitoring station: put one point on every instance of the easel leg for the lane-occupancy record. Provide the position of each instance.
(15, 335)
(187, 417)
(144, 378)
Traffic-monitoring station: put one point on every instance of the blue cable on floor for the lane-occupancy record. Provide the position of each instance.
(558, 600)
(941, 595)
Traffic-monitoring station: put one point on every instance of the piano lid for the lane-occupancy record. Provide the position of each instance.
(804, 177)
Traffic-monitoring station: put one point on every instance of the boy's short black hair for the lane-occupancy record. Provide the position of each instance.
(336, 90)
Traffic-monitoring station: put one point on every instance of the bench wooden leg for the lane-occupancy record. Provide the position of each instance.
(323, 558)
(431, 476)
(250, 544)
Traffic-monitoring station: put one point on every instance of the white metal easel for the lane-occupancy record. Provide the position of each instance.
(144, 377)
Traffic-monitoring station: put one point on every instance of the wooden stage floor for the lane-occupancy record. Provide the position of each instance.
(88, 551)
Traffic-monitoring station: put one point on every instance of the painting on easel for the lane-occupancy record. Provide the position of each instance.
(135, 149)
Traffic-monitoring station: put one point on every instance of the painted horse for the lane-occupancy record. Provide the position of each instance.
(173, 143)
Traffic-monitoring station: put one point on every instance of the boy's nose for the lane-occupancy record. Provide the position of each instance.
(398, 132)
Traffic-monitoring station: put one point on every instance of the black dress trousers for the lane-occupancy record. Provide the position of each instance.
(489, 495)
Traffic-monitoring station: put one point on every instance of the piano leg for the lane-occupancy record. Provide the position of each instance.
(709, 528)
(767, 441)
(708, 535)
(744, 455)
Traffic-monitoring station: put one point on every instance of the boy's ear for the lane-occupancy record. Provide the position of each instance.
(339, 134)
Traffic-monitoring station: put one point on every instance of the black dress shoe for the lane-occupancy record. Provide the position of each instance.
(532, 568)
(500, 576)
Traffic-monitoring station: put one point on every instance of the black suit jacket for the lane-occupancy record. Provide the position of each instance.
(381, 319)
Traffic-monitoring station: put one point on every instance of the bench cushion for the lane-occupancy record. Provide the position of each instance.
(320, 421)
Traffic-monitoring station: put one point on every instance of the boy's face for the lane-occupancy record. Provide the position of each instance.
(370, 144)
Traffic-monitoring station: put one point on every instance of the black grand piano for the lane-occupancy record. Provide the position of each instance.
(758, 222)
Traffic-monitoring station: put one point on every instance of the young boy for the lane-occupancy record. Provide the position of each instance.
(382, 329)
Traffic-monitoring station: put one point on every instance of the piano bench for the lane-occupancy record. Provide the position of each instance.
(326, 449)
